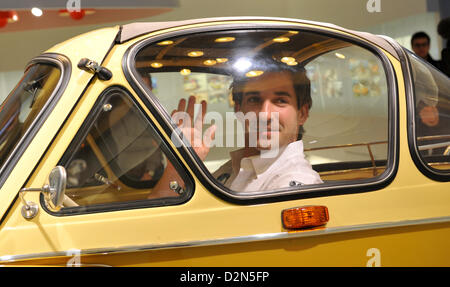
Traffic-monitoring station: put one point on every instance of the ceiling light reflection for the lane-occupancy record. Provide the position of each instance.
(252, 74)
(281, 39)
(156, 65)
(195, 54)
(340, 56)
(210, 62)
(224, 39)
(165, 43)
(221, 60)
(15, 17)
(36, 12)
(242, 64)
(287, 59)
(185, 72)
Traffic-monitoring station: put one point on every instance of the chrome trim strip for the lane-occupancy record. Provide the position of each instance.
(222, 241)
(436, 145)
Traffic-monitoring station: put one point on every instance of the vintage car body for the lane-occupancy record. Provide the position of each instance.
(401, 217)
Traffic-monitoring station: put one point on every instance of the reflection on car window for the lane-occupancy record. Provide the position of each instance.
(120, 158)
(23, 104)
(432, 113)
(273, 109)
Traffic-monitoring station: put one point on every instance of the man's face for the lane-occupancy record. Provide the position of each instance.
(272, 98)
(421, 47)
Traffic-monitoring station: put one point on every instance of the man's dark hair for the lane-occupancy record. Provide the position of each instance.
(420, 35)
(302, 86)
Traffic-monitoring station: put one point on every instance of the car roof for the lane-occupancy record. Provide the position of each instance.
(133, 30)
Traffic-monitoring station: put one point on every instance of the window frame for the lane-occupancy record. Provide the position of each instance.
(64, 65)
(306, 191)
(423, 166)
(125, 205)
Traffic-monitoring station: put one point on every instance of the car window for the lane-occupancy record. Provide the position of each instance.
(348, 126)
(22, 106)
(118, 157)
(267, 110)
(431, 114)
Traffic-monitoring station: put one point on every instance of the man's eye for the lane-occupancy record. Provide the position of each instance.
(281, 101)
(253, 100)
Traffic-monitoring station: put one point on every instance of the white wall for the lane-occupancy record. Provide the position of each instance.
(402, 30)
(8, 81)
(18, 48)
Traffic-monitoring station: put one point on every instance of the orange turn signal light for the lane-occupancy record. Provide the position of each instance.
(305, 216)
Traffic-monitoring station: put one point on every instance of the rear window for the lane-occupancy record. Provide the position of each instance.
(431, 114)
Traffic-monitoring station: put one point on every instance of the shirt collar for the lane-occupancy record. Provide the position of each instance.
(261, 163)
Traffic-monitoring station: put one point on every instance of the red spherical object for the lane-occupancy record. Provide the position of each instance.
(77, 15)
(3, 22)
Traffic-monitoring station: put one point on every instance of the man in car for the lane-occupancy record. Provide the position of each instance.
(276, 160)
(280, 95)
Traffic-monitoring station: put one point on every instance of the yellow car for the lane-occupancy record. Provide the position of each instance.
(96, 169)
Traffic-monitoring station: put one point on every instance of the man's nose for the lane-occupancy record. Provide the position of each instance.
(268, 114)
(267, 108)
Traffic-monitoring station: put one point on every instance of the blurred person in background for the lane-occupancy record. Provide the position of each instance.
(420, 43)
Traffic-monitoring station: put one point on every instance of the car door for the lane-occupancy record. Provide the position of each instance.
(354, 138)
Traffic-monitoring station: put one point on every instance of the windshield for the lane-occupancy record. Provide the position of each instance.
(19, 110)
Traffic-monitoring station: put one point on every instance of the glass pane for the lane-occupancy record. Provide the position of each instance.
(432, 113)
(120, 159)
(23, 105)
(273, 108)
(348, 126)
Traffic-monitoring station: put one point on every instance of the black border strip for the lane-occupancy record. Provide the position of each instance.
(117, 206)
(64, 64)
(311, 191)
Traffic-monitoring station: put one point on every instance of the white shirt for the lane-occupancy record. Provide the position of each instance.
(262, 173)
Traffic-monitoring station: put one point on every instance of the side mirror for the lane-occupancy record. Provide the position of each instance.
(54, 196)
(53, 193)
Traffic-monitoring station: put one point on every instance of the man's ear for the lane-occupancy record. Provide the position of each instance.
(302, 115)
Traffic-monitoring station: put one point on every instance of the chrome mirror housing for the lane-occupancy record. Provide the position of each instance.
(53, 193)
